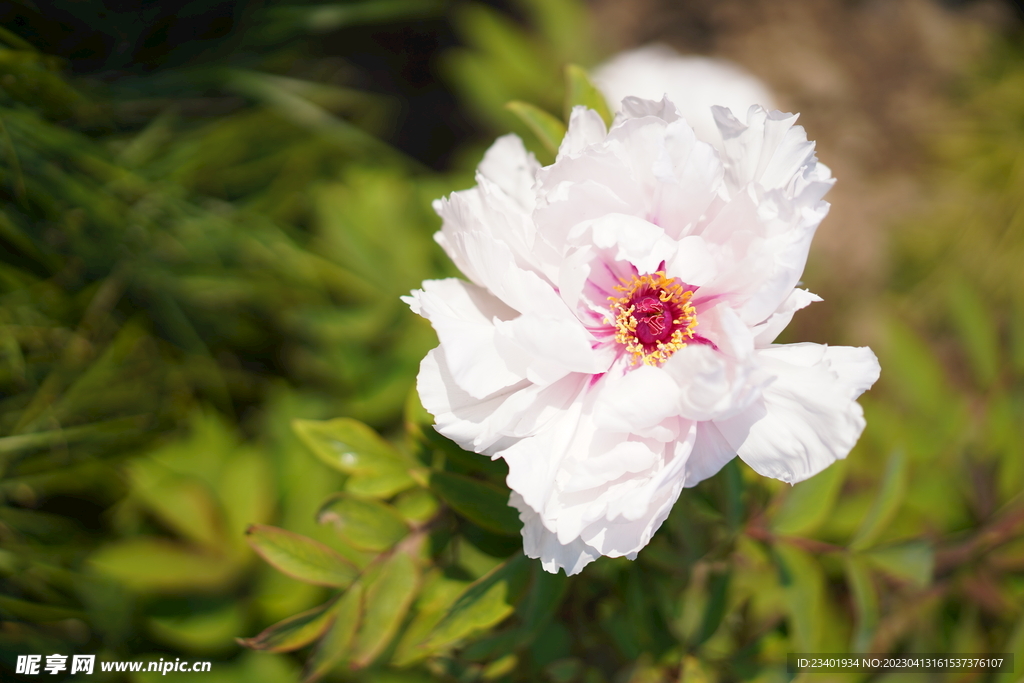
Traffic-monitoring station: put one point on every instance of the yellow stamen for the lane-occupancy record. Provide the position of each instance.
(669, 291)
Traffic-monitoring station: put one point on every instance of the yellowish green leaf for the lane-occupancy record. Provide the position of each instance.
(912, 561)
(387, 601)
(979, 334)
(580, 91)
(301, 557)
(808, 503)
(485, 603)
(246, 493)
(365, 523)
(886, 504)
(548, 129)
(804, 585)
(1014, 645)
(436, 597)
(183, 503)
(151, 564)
(336, 642)
(865, 600)
(295, 631)
(212, 631)
(349, 446)
(417, 506)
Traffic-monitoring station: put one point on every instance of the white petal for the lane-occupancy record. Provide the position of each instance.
(609, 184)
(766, 332)
(568, 204)
(539, 543)
(534, 461)
(627, 239)
(710, 454)
(599, 469)
(499, 208)
(693, 83)
(508, 165)
(466, 420)
(756, 271)
(463, 316)
(491, 424)
(637, 108)
(545, 349)
(633, 519)
(808, 417)
(694, 262)
(585, 128)
(522, 290)
(687, 190)
(637, 400)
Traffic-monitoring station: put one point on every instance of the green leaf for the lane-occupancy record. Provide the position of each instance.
(978, 331)
(912, 561)
(694, 670)
(1014, 645)
(887, 502)
(365, 523)
(183, 503)
(206, 631)
(548, 129)
(351, 447)
(535, 612)
(507, 56)
(150, 564)
(914, 372)
(714, 610)
(500, 667)
(474, 560)
(330, 17)
(732, 479)
(348, 445)
(485, 603)
(417, 506)
(566, 26)
(246, 493)
(295, 631)
(1017, 336)
(580, 91)
(809, 502)
(484, 505)
(336, 642)
(436, 597)
(300, 557)
(31, 611)
(460, 461)
(804, 586)
(543, 599)
(865, 600)
(387, 601)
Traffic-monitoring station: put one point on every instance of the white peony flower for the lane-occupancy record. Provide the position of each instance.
(614, 341)
(694, 83)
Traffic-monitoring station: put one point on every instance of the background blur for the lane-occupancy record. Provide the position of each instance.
(208, 211)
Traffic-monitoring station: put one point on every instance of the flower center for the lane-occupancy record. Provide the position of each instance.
(654, 318)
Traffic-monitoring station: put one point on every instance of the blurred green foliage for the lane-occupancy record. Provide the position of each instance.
(179, 281)
(194, 287)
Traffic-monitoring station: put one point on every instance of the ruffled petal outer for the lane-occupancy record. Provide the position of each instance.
(541, 544)
(532, 366)
(464, 317)
(808, 417)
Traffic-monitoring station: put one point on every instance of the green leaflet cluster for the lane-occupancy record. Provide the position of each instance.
(414, 561)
